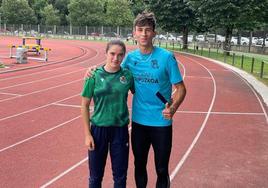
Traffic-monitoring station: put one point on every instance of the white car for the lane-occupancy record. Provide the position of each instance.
(171, 37)
(211, 38)
(260, 42)
(243, 41)
(200, 38)
(161, 37)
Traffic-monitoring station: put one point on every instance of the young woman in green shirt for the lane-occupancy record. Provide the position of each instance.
(107, 129)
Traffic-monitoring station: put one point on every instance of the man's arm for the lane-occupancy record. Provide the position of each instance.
(177, 99)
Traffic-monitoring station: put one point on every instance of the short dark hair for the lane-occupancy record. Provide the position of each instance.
(116, 42)
(145, 18)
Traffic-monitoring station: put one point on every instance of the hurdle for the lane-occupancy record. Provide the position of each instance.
(30, 49)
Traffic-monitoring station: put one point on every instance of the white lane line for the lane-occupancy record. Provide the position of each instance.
(187, 153)
(38, 91)
(183, 111)
(33, 109)
(41, 90)
(42, 105)
(250, 80)
(184, 70)
(67, 105)
(199, 77)
(221, 113)
(66, 171)
(39, 134)
(59, 68)
(4, 93)
(254, 92)
(35, 81)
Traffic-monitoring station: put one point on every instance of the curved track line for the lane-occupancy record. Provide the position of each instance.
(39, 134)
(187, 153)
(42, 65)
(39, 91)
(35, 81)
(76, 59)
(33, 109)
(64, 173)
(254, 92)
(43, 106)
(236, 71)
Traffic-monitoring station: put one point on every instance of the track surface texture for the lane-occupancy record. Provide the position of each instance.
(220, 132)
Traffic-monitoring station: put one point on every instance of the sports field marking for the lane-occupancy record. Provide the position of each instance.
(42, 72)
(67, 105)
(184, 69)
(39, 134)
(66, 171)
(42, 105)
(187, 153)
(33, 109)
(221, 113)
(63, 173)
(39, 91)
(4, 93)
(254, 92)
(199, 77)
(35, 81)
(182, 111)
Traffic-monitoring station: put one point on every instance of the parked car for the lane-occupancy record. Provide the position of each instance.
(254, 40)
(243, 41)
(211, 38)
(94, 34)
(171, 37)
(200, 38)
(190, 38)
(112, 34)
(129, 36)
(161, 37)
(260, 41)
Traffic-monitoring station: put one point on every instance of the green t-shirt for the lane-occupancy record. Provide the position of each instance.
(109, 92)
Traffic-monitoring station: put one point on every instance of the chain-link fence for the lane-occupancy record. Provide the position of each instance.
(254, 42)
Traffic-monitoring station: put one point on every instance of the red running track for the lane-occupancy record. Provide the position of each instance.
(220, 132)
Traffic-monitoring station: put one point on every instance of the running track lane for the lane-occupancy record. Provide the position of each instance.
(38, 161)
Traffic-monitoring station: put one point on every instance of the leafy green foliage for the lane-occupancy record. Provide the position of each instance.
(85, 12)
(50, 16)
(17, 12)
(114, 14)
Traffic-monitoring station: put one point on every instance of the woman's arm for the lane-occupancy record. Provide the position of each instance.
(89, 141)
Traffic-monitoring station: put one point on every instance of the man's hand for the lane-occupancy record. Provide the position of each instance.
(90, 71)
(168, 112)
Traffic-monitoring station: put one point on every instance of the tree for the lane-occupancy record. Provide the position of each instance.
(230, 15)
(174, 16)
(50, 15)
(17, 12)
(38, 7)
(85, 12)
(62, 6)
(137, 6)
(114, 14)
